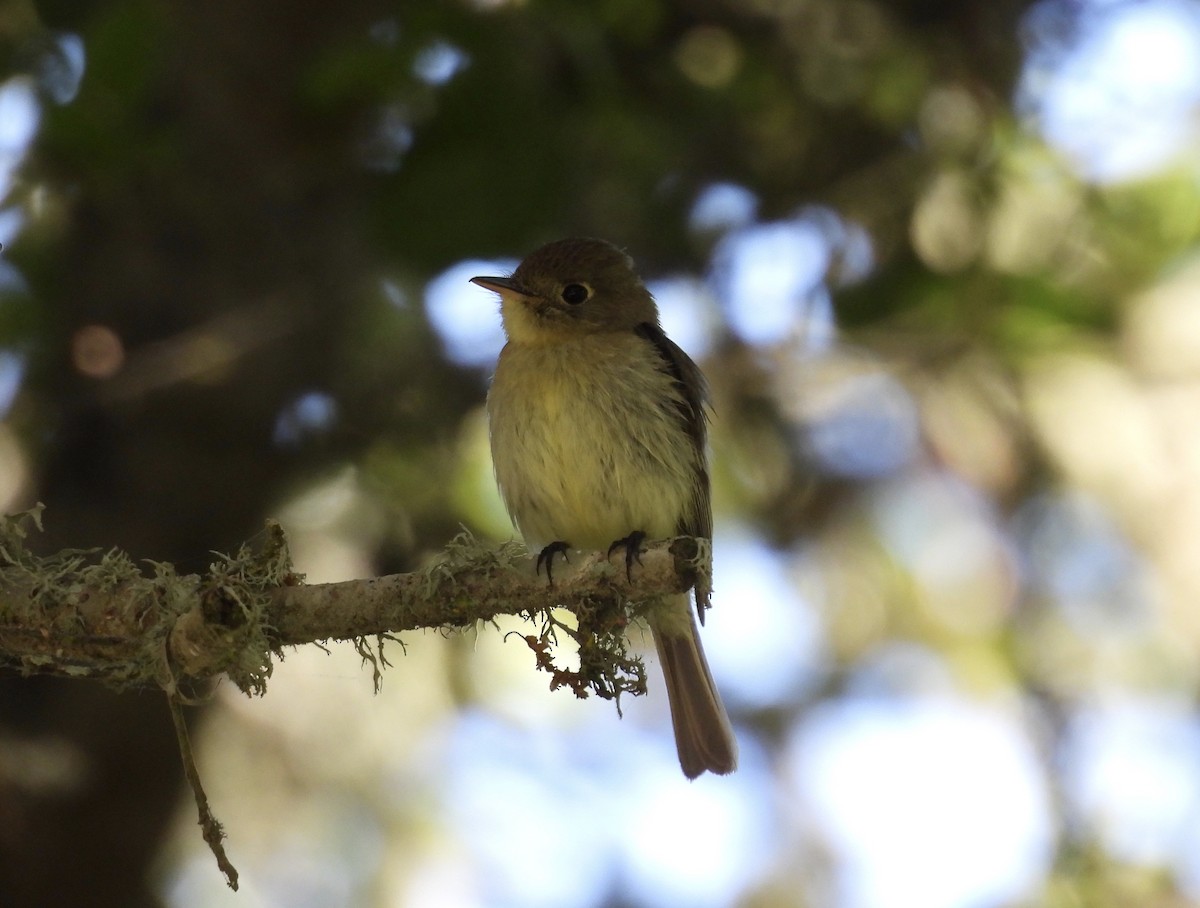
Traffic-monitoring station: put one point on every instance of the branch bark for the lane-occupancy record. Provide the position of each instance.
(97, 615)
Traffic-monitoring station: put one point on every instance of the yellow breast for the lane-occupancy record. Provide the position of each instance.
(587, 441)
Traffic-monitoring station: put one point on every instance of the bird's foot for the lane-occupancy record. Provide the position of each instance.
(632, 544)
(546, 557)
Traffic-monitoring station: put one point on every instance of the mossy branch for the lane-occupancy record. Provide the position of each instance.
(97, 615)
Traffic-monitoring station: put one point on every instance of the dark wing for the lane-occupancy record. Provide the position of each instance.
(696, 520)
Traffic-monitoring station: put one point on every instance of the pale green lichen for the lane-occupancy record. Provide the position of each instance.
(85, 602)
(245, 582)
(93, 613)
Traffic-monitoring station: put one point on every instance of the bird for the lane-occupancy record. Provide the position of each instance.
(598, 426)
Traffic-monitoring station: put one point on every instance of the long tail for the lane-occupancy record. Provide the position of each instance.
(703, 735)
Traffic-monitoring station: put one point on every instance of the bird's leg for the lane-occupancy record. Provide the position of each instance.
(546, 557)
(632, 544)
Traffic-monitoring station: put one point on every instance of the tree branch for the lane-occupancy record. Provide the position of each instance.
(91, 614)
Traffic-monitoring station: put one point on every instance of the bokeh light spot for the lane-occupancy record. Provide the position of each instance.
(1134, 778)
(1121, 98)
(467, 317)
(439, 62)
(899, 787)
(97, 351)
(753, 592)
(709, 56)
(688, 313)
(766, 274)
(12, 372)
(721, 206)
(60, 68)
(309, 414)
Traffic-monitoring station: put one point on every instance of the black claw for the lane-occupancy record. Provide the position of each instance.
(632, 544)
(546, 557)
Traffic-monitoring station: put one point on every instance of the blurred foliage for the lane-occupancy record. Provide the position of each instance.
(220, 234)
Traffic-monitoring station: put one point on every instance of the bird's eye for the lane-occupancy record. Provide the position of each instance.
(574, 294)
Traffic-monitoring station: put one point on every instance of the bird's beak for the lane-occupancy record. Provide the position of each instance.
(501, 284)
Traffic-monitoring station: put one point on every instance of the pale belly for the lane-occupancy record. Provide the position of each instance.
(587, 443)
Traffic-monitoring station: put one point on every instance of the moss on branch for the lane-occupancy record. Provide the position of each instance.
(97, 614)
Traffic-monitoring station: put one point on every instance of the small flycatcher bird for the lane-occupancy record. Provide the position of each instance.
(598, 425)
